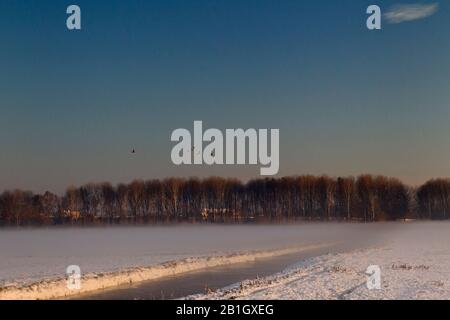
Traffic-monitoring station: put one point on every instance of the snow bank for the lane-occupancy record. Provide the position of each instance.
(57, 288)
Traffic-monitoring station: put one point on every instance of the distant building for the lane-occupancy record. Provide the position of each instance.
(207, 212)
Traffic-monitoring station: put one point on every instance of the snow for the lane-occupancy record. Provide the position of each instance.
(33, 262)
(414, 258)
(28, 255)
(57, 287)
(414, 263)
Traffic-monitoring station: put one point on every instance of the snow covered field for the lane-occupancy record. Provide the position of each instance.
(34, 254)
(414, 258)
(414, 263)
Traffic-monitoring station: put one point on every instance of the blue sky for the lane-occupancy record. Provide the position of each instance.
(346, 100)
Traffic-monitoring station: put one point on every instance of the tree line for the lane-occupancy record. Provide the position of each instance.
(365, 198)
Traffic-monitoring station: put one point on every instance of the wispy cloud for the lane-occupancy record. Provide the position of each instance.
(409, 12)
